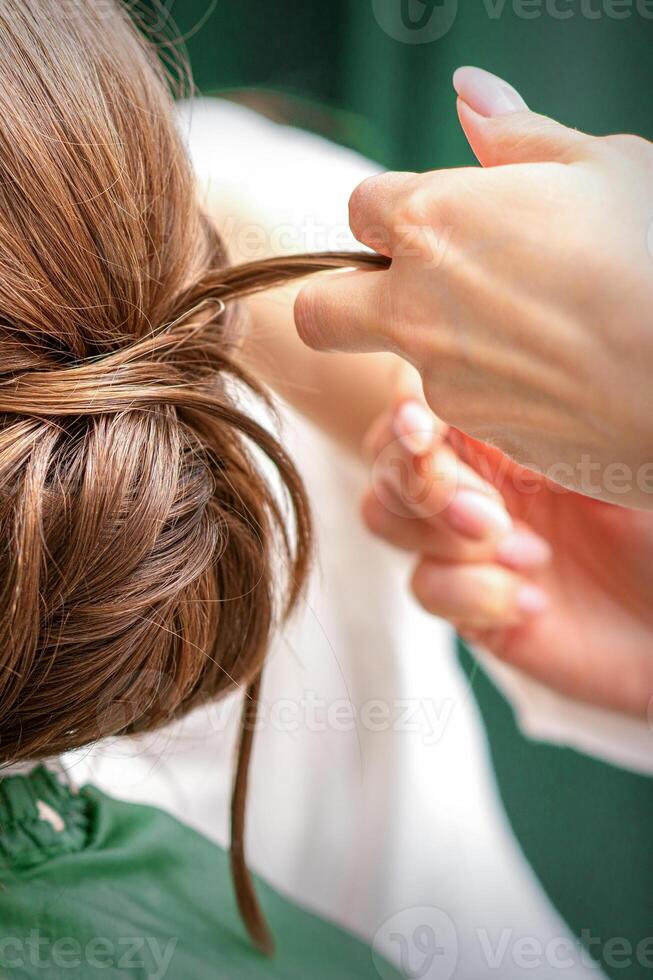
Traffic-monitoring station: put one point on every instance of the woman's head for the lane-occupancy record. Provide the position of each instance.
(144, 557)
(141, 545)
(137, 533)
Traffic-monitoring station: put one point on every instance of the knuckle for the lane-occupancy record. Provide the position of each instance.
(413, 209)
(426, 222)
(359, 207)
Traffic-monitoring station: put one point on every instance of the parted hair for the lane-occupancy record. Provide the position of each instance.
(145, 557)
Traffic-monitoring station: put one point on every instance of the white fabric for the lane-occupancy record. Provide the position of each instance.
(373, 822)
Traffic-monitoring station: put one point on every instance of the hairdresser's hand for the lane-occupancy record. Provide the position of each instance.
(550, 581)
(522, 292)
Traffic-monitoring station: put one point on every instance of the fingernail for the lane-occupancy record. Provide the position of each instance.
(478, 515)
(531, 600)
(415, 427)
(486, 93)
(523, 549)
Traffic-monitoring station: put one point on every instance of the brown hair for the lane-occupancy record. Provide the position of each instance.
(143, 549)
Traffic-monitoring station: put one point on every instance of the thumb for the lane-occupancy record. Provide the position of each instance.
(345, 311)
(501, 129)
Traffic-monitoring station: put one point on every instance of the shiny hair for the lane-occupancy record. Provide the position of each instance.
(145, 557)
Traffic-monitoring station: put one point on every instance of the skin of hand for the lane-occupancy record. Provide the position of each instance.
(522, 292)
(340, 394)
(551, 581)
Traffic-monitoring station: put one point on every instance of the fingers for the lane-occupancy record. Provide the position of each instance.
(345, 311)
(486, 93)
(405, 215)
(476, 596)
(410, 425)
(409, 386)
(426, 502)
(410, 461)
(420, 480)
(392, 520)
(522, 137)
(372, 205)
(501, 129)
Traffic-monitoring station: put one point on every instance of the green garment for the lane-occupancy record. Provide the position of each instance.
(90, 886)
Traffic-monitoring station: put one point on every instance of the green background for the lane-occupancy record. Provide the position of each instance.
(393, 100)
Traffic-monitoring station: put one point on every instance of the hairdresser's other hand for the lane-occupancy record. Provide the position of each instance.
(522, 292)
(555, 583)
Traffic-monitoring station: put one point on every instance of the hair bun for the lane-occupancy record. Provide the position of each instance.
(143, 550)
